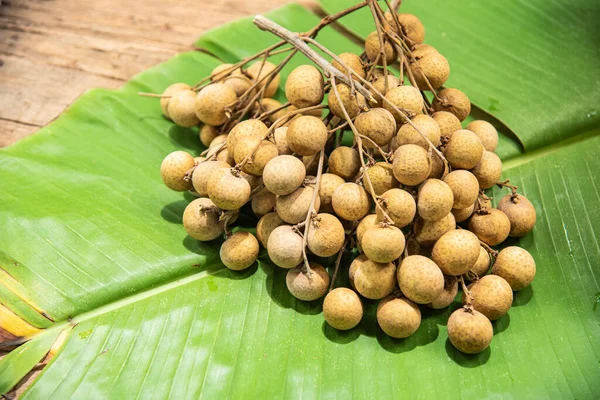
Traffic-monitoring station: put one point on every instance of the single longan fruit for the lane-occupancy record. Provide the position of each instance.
(170, 91)
(239, 251)
(342, 309)
(265, 152)
(448, 294)
(280, 139)
(408, 99)
(378, 125)
(370, 221)
(283, 174)
(520, 213)
(428, 232)
(223, 70)
(200, 223)
(329, 182)
(350, 201)
(311, 163)
(488, 170)
(266, 225)
(407, 134)
(202, 174)
(239, 83)
(453, 101)
(263, 202)
(253, 180)
(379, 83)
(344, 161)
(226, 156)
(399, 205)
(420, 279)
(429, 66)
(486, 133)
(492, 296)
(491, 227)
(482, 265)
(326, 235)
(383, 244)
(464, 186)
(307, 135)
(352, 103)
(435, 199)
(437, 166)
(411, 164)
(293, 207)
(305, 87)
(371, 279)
(456, 252)
(382, 178)
(469, 330)
(351, 61)
(260, 70)
(398, 317)
(173, 170)
(218, 140)
(447, 122)
(228, 191)
(372, 48)
(211, 102)
(266, 105)
(284, 246)
(207, 134)
(516, 266)
(306, 288)
(462, 214)
(251, 128)
(464, 150)
(412, 27)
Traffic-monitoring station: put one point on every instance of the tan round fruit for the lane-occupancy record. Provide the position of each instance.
(412, 27)
(251, 128)
(399, 205)
(486, 133)
(448, 294)
(520, 213)
(329, 182)
(456, 252)
(211, 102)
(447, 122)
(259, 71)
(488, 170)
(311, 163)
(491, 227)
(482, 265)
(437, 167)
(268, 105)
(464, 150)
(181, 108)
(516, 266)
(407, 134)
(469, 330)
(462, 214)
(464, 186)
(199, 222)
(280, 139)
(293, 207)
(383, 244)
(284, 246)
(382, 178)
(492, 296)
(226, 156)
(304, 86)
(202, 173)
(367, 222)
(284, 174)
(218, 140)
(430, 69)
(411, 164)
(379, 83)
(408, 99)
(259, 153)
(420, 279)
(351, 61)
(377, 125)
(373, 280)
(342, 309)
(352, 103)
(350, 201)
(239, 251)
(306, 288)
(174, 168)
(453, 101)
(228, 191)
(326, 235)
(307, 135)
(207, 134)
(170, 91)
(435, 200)
(398, 317)
(372, 48)
(428, 232)
(263, 202)
(239, 83)
(266, 225)
(223, 70)
(344, 162)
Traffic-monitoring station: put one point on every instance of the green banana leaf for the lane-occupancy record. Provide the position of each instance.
(92, 238)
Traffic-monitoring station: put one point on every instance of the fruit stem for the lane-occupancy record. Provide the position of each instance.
(488, 249)
(467, 292)
(506, 183)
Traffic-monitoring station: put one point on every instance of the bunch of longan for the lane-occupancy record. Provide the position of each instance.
(406, 197)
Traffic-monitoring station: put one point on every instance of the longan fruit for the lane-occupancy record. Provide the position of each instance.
(267, 105)
(182, 107)
(448, 294)
(469, 330)
(420, 279)
(407, 98)
(437, 166)
(378, 125)
(218, 140)
(304, 86)
(344, 161)
(202, 173)
(407, 134)
(293, 207)
(428, 232)
(223, 70)
(492, 296)
(260, 70)
(382, 178)
(170, 91)
(326, 235)
(311, 163)
(412, 27)
(453, 101)
(239, 251)
(201, 224)
(250, 128)
(488, 170)
(486, 133)
(491, 227)
(447, 122)
(411, 165)
(366, 223)
(372, 48)
(280, 139)
(329, 182)
(371, 279)
(307, 135)
(456, 252)
(228, 191)
(306, 288)
(265, 152)
(350, 201)
(173, 169)
(207, 134)
(284, 246)
(352, 103)
(266, 225)
(398, 317)
(520, 213)
(342, 309)
(516, 266)
(462, 214)
(379, 84)
(239, 83)
(315, 113)
(399, 205)
(263, 202)
(226, 156)
(464, 150)
(283, 174)
(383, 244)
(211, 102)
(435, 199)
(482, 265)
(464, 186)
(429, 66)
(353, 62)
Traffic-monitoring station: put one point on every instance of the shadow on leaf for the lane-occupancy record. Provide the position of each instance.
(523, 296)
(467, 360)
(186, 138)
(501, 324)
(173, 212)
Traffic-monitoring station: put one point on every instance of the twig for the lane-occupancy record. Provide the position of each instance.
(311, 211)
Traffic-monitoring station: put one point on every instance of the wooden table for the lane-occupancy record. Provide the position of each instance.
(52, 51)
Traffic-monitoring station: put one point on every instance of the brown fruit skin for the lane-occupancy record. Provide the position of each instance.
(280, 139)
(181, 108)
(266, 225)
(207, 134)
(516, 266)
(170, 91)
(492, 296)
(202, 225)
(284, 247)
(469, 331)
(482, 265)
(447, 122)
(221, 71)
(304, 288)
(344, 162)
(431, 65)
(491, 228)
(378, 125)
(173, 169)
(399, 205)
(329, 182)
(263, 203)
(420, 279)
(453, 101)
(239, 83)
(464, 186)
(383, 245)
(227, 191)
(353, 62)
(239, 251)
(350, 201)
(342, 309)
(456, 252)
(326, 235)
(211, 102)
(284, 174)
(407, 98)
(462, 214)
(426, 125)
(488, 170)
(202, 173)
(293, 207)
(412, 27)
(304, 86)
(428, 232)
(411, 164)
(265, 152)
(382, 178)
(372, 46)
(373, 280)
(226, 156)
(251, 128)
(307, 135)
(267, 105)
(520, 213)
(259, 70)
(486, 133)
(353, 104)
(379, 83)
(367, 222)
(398, 317)
(447, 296)
(435, 200)
(464, 150)
(311, 163)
